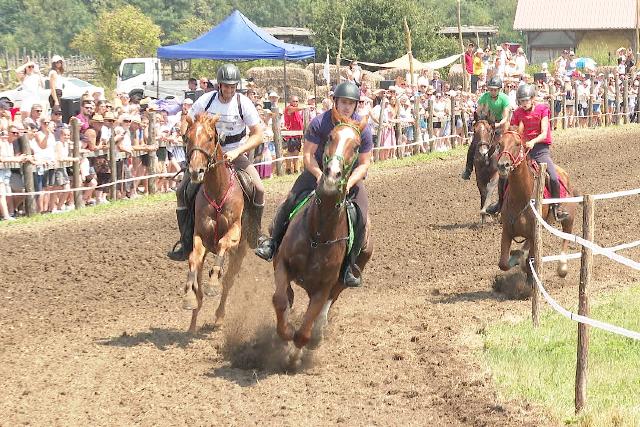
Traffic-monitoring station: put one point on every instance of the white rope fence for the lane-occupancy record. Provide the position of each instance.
(578, 318)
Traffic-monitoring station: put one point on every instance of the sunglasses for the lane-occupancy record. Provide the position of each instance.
(15, 133)
(126, 121)
(109, 121)
(37, 111)
(30, 66)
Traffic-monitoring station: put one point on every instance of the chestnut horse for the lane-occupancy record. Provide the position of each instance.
(218, 213)
(485, 163)
(315, 244)
(517, 218)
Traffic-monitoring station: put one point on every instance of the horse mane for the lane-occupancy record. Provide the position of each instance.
(339, 118)
(208, 122)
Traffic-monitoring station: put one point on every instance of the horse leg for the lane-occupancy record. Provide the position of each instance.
(229, 241)
(196, 258)
(281, 301)
(316, 303)
(505, 247)
(200, 297)
(235, 262)
(490, 188)
(567, 226)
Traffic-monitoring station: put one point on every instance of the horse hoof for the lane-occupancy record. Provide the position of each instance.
(563, 270)
(189, 300)
(210, 288)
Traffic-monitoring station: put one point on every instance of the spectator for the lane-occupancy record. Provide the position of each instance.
(192, 84)
(203, 83)
(86, 111)
(63, 201)
(124, 145)
(468, 58)
(293, 121)
(312, 110)
(437, 83)
(35, 114)
(32, 82)
(6, 155)
(43, 147)
(56, 80)
(561, 63)
(17, 182)
(521, 61)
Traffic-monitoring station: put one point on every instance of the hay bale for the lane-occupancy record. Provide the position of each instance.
(273, 77)
(391, 73)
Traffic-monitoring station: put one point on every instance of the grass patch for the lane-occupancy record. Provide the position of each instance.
(539, 365)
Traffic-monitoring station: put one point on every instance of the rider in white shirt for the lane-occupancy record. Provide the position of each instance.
(237, 114)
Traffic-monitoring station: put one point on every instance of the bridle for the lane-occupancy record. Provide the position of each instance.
(491, 143)
(346, 168)
(211, 160)
(522, 152)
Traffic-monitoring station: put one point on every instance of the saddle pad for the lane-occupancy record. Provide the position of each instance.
(246, 184)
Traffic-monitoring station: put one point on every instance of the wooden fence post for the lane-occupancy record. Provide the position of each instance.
(564, 110)
(113, 165)
(75, 136)
(637, 106)
(576, 103)
(399, 149)
(591, 87)
(277, 138)
(617, 106)
(537, 253)
(417, 131)
(376, 154)
(30, 207)
(153, 155)
(453, 121)
(431, 140)
(625, 99)
(605, 102)
(586, 266)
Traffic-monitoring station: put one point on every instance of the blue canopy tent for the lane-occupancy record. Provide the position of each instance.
(237, 38)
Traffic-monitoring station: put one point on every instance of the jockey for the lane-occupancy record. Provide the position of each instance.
(237, 113)
(533, 124)
(493, 104)
(346, 97)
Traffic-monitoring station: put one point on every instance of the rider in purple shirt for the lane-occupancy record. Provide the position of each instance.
(346, 97)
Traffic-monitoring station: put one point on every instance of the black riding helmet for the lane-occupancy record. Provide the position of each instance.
(495, 83)
(347, 90)
(228, 74)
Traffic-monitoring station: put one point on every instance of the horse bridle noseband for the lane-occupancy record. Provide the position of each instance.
(346, 170)
(522, 153)
(211, 163)
(491, 143)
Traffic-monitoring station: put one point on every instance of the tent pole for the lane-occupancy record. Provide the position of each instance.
(284, 92)
(315, 81)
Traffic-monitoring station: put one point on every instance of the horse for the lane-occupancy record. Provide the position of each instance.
(517, 218)
(485, 163)
(315, 244)
(219, 205)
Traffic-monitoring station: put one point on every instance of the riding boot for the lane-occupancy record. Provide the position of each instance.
(184, 246)
(254, 225)
(558, 213)
(351, 274)
(267, 246)
(497, 207)
(466, 174)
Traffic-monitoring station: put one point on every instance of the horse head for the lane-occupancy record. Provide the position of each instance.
(512, 152)
(340, 153)
(484, 137)
(201, 141)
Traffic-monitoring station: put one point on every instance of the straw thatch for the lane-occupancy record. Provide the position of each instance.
(274, 77)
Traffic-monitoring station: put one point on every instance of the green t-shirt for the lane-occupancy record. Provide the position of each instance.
(497, 106)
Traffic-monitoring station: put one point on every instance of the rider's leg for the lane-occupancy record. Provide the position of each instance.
(541, 154)
(256, 209)
(497, 207)
(351, 274)
(466, 174)
(184, 195)
(267, 247)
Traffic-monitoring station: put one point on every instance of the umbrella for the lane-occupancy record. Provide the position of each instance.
(585, 63)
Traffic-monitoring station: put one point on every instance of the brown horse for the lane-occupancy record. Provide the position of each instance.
(218, 213)
(315, 244)
(485, 163)
(517, 218)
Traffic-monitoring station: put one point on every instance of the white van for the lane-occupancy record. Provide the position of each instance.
(142, 77)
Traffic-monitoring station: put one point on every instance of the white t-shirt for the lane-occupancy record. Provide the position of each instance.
(230, 122)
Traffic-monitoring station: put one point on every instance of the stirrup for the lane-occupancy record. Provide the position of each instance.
(466, 175)
(265, 249)
(178, 254)
(494, 209)
(558, 213)
(350, 280)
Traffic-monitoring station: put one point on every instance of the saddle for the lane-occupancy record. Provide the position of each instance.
(246, 183)
(564, 192)
(355, 221)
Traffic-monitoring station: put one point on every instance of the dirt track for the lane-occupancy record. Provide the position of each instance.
(91, 330)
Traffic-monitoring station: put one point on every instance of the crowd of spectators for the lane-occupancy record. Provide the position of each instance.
(40, 128)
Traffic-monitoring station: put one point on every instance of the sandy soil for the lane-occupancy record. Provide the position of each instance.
(91, 330)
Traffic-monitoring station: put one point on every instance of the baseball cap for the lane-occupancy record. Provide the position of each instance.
(188, 101)
(273, 94)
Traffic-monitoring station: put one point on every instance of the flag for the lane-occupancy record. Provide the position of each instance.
(325, 72)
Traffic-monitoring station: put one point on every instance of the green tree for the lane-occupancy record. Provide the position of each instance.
(122, 33)
(374, 31)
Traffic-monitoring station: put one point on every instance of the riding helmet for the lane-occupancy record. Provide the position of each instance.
(347, 90)
(228, 74)
(495, 83)
(525, 92)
